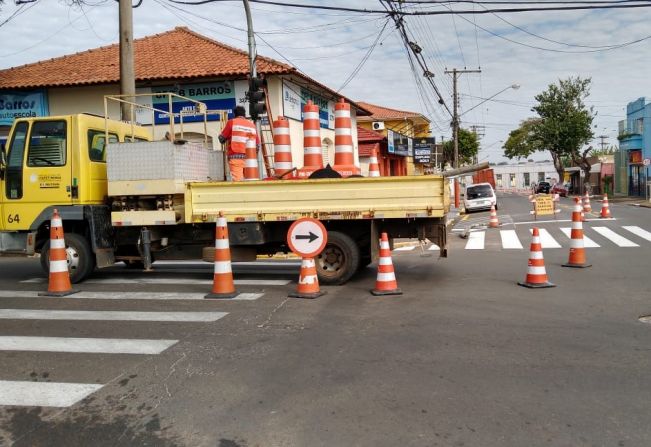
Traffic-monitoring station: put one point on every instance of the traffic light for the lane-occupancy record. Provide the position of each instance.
(256, 96)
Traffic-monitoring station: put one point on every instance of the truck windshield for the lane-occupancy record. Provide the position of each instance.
(476, 192)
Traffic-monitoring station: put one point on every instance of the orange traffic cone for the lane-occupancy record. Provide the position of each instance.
(386, 283)
(493, 222)
(344, 152)
(586, 203)
(536, 273)
(59, 277)
(373, 165)
(223, 285)
(282, 149)
(605, 208)
(308, 281)
(251, 171)
(577, 247)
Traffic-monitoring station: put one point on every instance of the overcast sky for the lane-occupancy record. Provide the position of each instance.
(328, 46)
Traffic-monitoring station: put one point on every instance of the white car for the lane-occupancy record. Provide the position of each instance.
(479, 196)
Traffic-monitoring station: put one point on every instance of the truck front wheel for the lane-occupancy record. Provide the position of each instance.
(81, 261)
(339, 260)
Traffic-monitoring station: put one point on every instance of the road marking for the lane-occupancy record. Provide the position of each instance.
(44, 394)
(536, 222)
(128, 295)
(476, 240)
(406, 248)
(546, 239)
(587, 242)
(618, 240)
(172, 281)
(86, 345)
(510, 239)
(638, 232)
(434, 247)
(108, 315)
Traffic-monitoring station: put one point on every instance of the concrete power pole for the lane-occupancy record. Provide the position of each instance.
(127, 74)
(455, 125)
(603, 139)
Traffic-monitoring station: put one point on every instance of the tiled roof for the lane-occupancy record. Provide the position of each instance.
(175, 54)
(368, 136)
(366, 149)
(384, 113)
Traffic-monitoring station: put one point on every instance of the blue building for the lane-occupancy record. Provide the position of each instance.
(635, 144)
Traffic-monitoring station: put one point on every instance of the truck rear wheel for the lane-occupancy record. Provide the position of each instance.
(339, 260)
(81, 261)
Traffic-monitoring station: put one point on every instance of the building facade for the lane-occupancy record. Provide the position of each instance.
(179, 61)
(523, 175)
(635, 146)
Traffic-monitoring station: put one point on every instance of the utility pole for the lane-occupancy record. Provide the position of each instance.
(455, 125)
(603, 139)
(127, 74)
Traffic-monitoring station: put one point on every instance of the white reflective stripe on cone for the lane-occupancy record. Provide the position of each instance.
(221, 221)
(310, 115)
(536, 270)
(342, 113)
(283, 165)
(311, 150)
(577, 243)
(345, 148)
(535, 255)
(386, 276)
(309, 279)
(343, 131)
(577, 226)
(372, 161)
(250, 163)
(311, 133)
(373, 174)
(385, 261)
(282, 148)
(535, 240)
(56, 222)
(58, 266)
(221, 244)
(384, 244)
(281, 130)
(222, 267)
(57, 243)
(308, 263)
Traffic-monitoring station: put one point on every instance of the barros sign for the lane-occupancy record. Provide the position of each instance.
(27, 104)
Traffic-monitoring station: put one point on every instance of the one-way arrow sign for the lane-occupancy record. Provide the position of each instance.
(311, 237)
(303, 233)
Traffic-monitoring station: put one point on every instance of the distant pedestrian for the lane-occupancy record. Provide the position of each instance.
(236, 132)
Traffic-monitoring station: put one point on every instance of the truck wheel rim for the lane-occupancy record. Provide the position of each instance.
(331, 260)
(73, 259)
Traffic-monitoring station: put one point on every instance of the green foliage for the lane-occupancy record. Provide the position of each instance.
(468, 148)
(522, 141)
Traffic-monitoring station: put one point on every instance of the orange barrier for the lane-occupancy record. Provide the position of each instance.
(308, 281)
(586, 203)
(385, 283)
(59, 276)
(373, 165)
(344, 156)
(223, 285)
(536, 273)
(251, 171)
(577, 247)
(493, 222)
(282, 148)
(312, 156)
(605, 208)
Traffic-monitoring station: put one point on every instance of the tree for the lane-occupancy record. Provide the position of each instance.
(468, 148)
(563, 126)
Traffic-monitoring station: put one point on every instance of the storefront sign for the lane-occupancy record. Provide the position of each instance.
(390, 146)
(423, 149)
(401, 144)
(295, 97)
(17, 104)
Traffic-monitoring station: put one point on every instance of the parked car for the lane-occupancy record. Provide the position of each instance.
(543, 188)
(559, 189)
(479, 196)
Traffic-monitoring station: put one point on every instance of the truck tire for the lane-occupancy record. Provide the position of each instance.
(81, 260)
(339, 261)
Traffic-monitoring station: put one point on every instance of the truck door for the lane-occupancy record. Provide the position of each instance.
(39, 171)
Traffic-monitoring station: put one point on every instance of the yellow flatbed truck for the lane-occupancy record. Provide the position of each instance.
(137, 201)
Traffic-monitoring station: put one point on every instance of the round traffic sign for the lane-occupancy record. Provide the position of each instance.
(307, 237)
(646, 161)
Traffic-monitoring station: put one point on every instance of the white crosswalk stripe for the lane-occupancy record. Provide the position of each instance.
(476, 240)
(108, 315)
(162, 296)
(85, 345)
(44, 394)
(618, 240)
(510, 239)
(171, 281)
(587, 242)
(638, 232)
(546, 239)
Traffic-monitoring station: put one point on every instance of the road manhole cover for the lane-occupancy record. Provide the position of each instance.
(645, 319)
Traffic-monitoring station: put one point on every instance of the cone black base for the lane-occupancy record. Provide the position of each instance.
(530, 285)
(386, 292)
(306, 295)
(576, 266)
(59, 294)
(222, 296)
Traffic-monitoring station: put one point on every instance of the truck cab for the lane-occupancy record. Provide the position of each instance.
(56, 162)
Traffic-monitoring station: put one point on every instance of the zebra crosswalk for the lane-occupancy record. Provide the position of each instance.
(594, 237)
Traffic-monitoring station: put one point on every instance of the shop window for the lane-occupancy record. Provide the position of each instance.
(541, 177)
(527, 179)
(512, 180)
(498, 180)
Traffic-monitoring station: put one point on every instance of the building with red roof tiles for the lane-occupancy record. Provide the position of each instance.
(180, 61)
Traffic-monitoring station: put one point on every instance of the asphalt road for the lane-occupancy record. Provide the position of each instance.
(464, 358)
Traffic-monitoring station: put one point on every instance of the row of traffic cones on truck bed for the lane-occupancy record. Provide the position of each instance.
(59, 284)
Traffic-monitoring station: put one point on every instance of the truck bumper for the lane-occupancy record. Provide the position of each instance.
(17, 243)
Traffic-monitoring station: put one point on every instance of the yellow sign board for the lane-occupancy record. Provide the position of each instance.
(544, 205)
